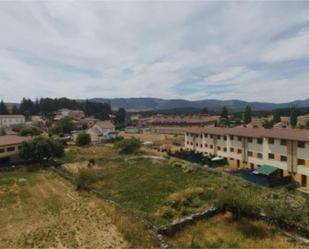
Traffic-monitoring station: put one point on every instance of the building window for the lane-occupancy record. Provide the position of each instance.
(259, 140)
(201, 136)
(206, 145)
(196, 144)
(232, 137)
(1, 150)
(271, 156)
(283, 142)
(10, 149)
(231, 158)
(231, 149)
(187, 142)
(211, 136)
(300, 161)
(239, 138)
(219, 137)
(201, 145)
(224, 137)
(239, 151)
(205, 135)
(191, 143)
(271, 140)
(301, 144)
(249, 139)
(283, 158)
(211, 146)
(250, 153)
(218, 148)
(260, 155)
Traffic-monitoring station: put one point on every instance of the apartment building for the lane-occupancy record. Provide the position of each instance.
(7, 121)
(283, 148)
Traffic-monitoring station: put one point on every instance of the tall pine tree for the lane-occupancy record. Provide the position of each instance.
(247, 115)
(3, 108)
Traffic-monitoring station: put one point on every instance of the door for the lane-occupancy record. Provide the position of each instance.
(238, 164)
(303, 180)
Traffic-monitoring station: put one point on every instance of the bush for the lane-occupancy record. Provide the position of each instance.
(30, 131)
(83, 139)
(85, 178)
(128, 146)
(240, 201)
(41, 149)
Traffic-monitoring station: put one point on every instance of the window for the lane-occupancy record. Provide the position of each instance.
(232, 137)
(201, 136)
(224, 138)
(239, 151)
(201, 145)
(211, 136)
(218, 148)
(231, 149)
(283, 142)
(211, 146)
(271, 156)
(191, 143)
(301, 144)
(249, 139)
(300, 161)
(187, 142)
(283, 158)
(250, 153)
(1, 150)
(239, 138)
(271, 140)
(10, 149)
(232, 159)
(260, 155)
(224, 149)
(205, 135)
(259, 140)
(206, 145)
(196, 144)
(219, 137)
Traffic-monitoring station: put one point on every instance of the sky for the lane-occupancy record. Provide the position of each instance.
(254, 51)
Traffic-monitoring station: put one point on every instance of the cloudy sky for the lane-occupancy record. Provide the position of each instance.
(177, 49)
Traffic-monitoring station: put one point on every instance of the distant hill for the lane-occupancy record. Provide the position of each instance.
(213, 105)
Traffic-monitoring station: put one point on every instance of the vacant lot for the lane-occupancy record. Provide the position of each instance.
(222, 231)
(39, 209)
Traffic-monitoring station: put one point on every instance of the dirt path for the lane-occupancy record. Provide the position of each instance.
(50, 213)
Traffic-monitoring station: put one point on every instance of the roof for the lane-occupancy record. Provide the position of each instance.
(281, 133)
(12, 116)
(266, 170)
(11, 139)
(183, 119)
(105, 124)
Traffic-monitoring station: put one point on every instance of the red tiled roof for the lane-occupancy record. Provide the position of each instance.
(282, 133)
(11, 139)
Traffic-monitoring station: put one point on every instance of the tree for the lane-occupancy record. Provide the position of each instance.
(276, 117)
(293, 117)
(41, 149)
(307, 124)
(128, 146)
(15, 110)
(30, 131)
(83, 139)
(3, 108)
(224, 113)
(66, 125)
(247, 115)
(121, 116)
(204, 111)
(268, 124)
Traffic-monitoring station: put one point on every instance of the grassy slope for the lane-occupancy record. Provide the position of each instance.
(222, 231)
(39, 209)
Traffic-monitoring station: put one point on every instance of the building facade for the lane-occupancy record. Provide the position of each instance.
(283, 148)
(101, 131)
(10, 145)
(7, 121)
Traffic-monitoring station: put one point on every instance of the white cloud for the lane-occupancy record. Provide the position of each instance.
(122, 49)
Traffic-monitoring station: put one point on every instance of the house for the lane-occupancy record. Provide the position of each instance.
(101, 131)
(10, 146)
(283, 148)
(74, 114)
(10, 121)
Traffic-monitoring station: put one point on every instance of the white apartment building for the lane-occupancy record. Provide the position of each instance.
(284, 148)
(7, 121)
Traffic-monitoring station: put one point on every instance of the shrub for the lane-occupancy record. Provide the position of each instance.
(128, 146)
(83, 139)
(30, 131)
(85, 178)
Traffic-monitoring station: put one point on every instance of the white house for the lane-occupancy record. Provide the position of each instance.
(101, 131)
(7, 121)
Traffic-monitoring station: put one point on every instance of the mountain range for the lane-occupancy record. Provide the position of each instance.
(214, 105)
